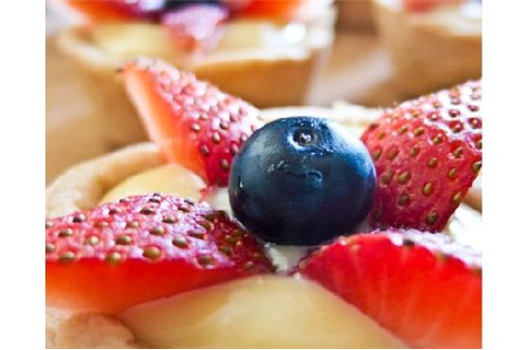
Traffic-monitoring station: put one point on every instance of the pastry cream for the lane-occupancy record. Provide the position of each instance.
(125, 41)
(171, 179)
(258, 312)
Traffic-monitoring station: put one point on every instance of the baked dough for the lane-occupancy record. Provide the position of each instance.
(474, 196)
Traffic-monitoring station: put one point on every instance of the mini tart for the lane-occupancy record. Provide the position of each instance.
(430, 50)
(85, 186)
(277, 76)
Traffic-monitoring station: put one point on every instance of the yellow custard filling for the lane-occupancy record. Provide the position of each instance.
(258, 312)
(129, 40)
(171, 179)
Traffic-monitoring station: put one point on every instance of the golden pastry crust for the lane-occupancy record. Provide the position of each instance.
(82, 187)
(427, 54)
(53, 319)
(87, 331)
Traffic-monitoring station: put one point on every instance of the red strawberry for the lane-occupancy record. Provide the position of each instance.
(275, 9)
(193, 122)
(143, 248)
(117, 10)
(427, 153)
(195, 26)
(423, 287)
(423, 5)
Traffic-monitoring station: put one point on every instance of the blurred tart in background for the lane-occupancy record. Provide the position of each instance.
(266, 52)
(432, 43)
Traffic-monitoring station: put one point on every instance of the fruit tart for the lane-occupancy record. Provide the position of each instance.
(433, 44)
(240, 228)
(276, 46)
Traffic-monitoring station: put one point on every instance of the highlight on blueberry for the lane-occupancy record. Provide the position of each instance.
(302, 181)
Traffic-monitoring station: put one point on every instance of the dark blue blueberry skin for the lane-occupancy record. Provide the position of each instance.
(154, 10)
(173, 4)
(302, 181)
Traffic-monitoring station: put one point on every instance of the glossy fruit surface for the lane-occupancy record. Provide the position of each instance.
(143, 248)
(427, 154)
(98, 11)
(423, 287)
(424, 5)
(117, 10)
(302, 181)
(173, 4)
(276, 9)
(193, 122)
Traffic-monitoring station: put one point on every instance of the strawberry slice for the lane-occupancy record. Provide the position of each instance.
(117, 10)
(193, 122)
(420, 5)
(426, 5)
(275, 9)
(427, 153)
(195, 26)
(143, 248)
(423, 287)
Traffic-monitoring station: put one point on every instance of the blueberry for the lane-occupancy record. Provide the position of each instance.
(173, 4)
(302, 181)
(152, 10)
